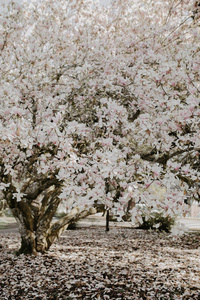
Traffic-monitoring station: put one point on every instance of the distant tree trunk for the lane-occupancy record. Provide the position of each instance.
(107, 219)
(3, 206)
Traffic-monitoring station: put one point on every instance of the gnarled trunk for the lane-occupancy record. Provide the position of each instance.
(38, 239)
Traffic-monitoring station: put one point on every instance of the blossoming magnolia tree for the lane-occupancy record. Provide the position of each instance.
(98, 106)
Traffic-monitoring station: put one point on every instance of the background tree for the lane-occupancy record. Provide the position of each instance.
(98, 106)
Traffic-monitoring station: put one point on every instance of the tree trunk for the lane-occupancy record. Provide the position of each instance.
(107, 220)
(34, 214)
(26, 229)
(39, 239)
(28, 243)
(31, 245)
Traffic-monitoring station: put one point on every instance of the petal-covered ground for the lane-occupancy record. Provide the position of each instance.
(92, 264)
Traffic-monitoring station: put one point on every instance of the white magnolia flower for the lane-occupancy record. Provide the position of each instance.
(19, 195)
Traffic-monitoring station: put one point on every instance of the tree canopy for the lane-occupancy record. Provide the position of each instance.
(99, 107)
